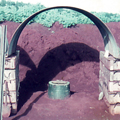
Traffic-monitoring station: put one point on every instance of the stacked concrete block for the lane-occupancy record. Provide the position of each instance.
(109, 82)
(11, 77)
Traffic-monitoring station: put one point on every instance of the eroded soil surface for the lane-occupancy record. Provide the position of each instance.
(70, 54)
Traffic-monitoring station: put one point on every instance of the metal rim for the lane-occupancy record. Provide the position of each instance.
(59, 82)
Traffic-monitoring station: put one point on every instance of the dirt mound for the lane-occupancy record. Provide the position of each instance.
(70, 54)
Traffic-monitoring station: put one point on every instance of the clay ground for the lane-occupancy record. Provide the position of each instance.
(70, 54)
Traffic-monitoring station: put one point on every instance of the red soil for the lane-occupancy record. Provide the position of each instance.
(70, 54)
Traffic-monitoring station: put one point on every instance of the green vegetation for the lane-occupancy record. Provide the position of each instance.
(3, 2)
(18, 12)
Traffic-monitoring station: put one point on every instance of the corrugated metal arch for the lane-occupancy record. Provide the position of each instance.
(109, 40)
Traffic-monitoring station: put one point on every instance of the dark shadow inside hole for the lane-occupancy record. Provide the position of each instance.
(53, 62)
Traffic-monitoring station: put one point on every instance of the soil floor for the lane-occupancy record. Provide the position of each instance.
(57, 53)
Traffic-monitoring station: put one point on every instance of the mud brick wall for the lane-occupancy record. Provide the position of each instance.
(11, 77)
(109, 82)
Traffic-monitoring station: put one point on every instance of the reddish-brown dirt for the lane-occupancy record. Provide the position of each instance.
(70, 54)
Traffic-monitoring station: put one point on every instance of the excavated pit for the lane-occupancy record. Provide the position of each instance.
(70, 54)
